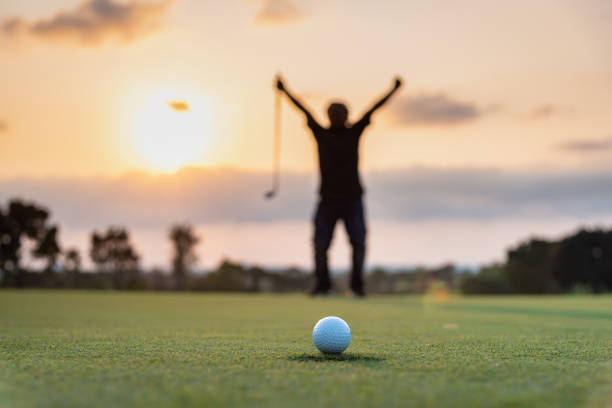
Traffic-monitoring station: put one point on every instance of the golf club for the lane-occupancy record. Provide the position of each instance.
(277, 142)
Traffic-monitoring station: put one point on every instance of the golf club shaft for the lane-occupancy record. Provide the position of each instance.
(277, 141)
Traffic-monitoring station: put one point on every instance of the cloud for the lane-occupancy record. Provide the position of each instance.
(545, 111)
(542, 111)
(278, 12)
(435, 109)
(588, 146)
(3, 126)
(179, 106)
(204, 196)
(93, 21)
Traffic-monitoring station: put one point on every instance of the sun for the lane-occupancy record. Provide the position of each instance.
(171, 131)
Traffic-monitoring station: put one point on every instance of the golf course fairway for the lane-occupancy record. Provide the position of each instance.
(71, 348)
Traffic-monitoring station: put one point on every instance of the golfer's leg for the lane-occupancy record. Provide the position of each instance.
(354, 222)
(324, 223)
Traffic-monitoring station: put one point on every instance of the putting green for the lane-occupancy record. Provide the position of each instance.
(129, 349)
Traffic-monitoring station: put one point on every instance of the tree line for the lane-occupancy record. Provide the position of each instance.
(25, 229)
(578, 262)
(581, 262)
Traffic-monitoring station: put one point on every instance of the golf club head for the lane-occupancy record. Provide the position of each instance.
(270, 194)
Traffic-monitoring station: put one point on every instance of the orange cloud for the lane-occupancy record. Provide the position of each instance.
(278, 12)
(179, 106)
(3, 126)
(93, 21)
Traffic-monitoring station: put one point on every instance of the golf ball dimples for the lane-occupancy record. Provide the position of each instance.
(331, 335)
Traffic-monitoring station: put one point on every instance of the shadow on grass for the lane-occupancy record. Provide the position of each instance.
(369, 359)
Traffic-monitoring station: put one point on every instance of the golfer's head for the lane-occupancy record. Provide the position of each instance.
(338, 114)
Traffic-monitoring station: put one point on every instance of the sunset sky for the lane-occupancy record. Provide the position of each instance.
(503, 128)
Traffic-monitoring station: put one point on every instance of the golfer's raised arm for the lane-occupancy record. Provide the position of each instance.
(281, 87)
(383, 100)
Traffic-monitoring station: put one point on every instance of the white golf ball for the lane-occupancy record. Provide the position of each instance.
(331, 335)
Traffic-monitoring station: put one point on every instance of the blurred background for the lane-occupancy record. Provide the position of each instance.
(136, 142)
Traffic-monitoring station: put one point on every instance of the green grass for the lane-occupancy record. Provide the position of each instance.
(127, 349)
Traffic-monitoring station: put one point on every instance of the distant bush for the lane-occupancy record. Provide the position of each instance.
(529, 268)
(484, 285)
(490, 280)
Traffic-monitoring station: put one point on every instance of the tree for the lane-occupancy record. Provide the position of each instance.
(585, 258)
(228, 277)
(184, 241)
(25, 220)
(112, 252)
(48, 248)
(72, 260)
(10, 243)
(529, 267)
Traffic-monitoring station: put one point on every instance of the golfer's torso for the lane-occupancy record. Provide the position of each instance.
(339, 164)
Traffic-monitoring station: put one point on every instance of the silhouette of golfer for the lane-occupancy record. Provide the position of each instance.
(340, 189)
